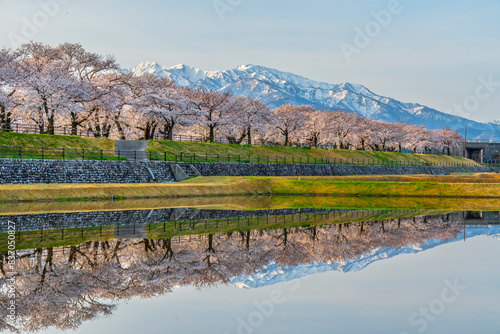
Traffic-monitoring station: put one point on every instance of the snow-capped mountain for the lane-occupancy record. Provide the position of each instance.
(275, 88)
(274, 273)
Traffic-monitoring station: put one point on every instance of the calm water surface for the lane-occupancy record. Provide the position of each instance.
(187, 270)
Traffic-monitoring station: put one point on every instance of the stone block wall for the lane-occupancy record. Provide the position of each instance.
(233, 169)
(28, 171)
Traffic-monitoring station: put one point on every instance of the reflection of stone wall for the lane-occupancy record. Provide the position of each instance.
(22, 171)
(49, 221)
(232, 169)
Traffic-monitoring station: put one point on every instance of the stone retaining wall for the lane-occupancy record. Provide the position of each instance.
(232, 169)
(27, 171)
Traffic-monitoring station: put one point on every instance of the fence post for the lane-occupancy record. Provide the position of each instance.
(64, 155)
(42, 153)
(83, 154)
(239, 158)
(165, 153)
(135, 155)
(193, 157)
(119, 157)
(101, 155)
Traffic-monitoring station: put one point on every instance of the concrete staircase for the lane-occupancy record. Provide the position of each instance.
(184, 171)
(133, 150)
(183, 214)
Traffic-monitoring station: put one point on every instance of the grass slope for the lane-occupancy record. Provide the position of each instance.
(175, 148)
(456, 186)
(55, 141)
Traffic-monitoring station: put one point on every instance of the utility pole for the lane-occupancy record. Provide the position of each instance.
(465, 143)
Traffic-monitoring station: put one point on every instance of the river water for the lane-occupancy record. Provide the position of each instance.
(247, 266)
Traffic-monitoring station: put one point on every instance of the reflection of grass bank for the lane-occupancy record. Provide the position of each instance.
(57, 238)
(424, 186)
(77, 236)
(161, 231)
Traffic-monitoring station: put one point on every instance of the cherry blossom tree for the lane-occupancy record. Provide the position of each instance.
(8, 77)
(216, 109)
(289, 119)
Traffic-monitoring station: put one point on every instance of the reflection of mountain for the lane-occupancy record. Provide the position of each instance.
(275, 273)
(65, 286)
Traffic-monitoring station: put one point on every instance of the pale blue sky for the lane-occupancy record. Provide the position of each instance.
(430, 52)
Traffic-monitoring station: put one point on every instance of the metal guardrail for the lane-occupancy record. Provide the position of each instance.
(20, 152)
(259, 159)
(481, 141)
(47, 153)
(60, 130)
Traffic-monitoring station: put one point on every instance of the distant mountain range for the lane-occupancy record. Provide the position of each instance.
(274, 273)
(275, 88)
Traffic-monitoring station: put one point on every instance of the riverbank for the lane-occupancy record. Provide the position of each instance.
(422, 186)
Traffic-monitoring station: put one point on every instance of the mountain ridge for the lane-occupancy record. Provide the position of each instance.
(274, 88)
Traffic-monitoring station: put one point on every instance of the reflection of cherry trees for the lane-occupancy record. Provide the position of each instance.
(63, 287)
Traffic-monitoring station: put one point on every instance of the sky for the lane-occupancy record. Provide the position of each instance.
(443, 54)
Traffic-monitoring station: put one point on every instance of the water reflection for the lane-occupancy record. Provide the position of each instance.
(66, 276)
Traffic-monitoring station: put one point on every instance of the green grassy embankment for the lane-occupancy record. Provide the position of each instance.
(55, 141)
(28, 146)
(455, 186)
(237, 152)
(173, 149)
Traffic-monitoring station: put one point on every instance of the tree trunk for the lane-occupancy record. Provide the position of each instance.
(121, 133)
(211, 136)
(249, 136)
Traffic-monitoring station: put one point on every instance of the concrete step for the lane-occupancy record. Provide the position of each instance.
(133, 150)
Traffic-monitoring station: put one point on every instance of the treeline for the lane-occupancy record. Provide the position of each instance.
(67, 86)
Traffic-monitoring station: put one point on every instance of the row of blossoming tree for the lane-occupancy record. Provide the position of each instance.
(66, 86)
